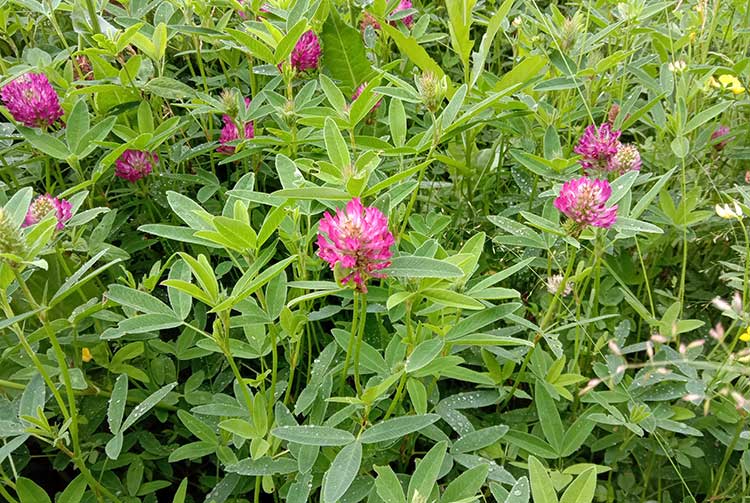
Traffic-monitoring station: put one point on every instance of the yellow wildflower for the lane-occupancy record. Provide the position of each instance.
(86, 355)
(731, 83)
(745, 336)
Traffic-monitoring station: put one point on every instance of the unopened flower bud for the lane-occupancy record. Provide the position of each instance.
(11, 240)
(229, 100)
(432, 89)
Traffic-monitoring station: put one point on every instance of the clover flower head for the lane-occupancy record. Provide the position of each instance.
(627, 158)
(720, 132)
(584, 200)
(135, 164)
(230, 132)
(46, 204)
(402, 6)
(597, 146)
(554, 282)
(32, 101)
(306, 54)
(357, 240)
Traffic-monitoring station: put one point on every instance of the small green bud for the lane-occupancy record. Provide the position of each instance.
(432, 89)
(11, 240)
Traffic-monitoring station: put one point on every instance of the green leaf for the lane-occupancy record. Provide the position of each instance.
(477, 440)
(254, 47)
(426, 473)
(18, 205)
(705, 115)
(181, 493)
(117, 402)
(423, 354)
(314, 194)
(396, 427)
(493, 26)
(467, 485)
(344, 55)
(193, 450)
(138, 300)
(150, 402)
(581, 490)
(397, 121)
(522, 73)
(78, 124)
(388, 486)
(29, 492)
(549, 417)
(422, 267)
(240, 427)
(333, 93)
(264, 466)
(342, 472)
(477, 321)
(519, 493)
(338, 153)
(197, 427)
(635, 226)
(449, 298)
(415, 52)
(45, 142)
(542, 488)
(73, 493)
(530, 443)
(313, 435)
(459, 26)
(169, 88)
(286, 44)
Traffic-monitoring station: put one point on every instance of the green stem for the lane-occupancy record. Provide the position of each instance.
(542, 326)
(358, 343)
(350, 345)
(72, 410)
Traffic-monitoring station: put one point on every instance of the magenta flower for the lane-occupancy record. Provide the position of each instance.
(404, 5)
(135, 164)
(584, 202)
(598, 146)
(356, 239)
(358, 93)
(230, 132)
(627, 158)
(44, 205)
(306, 54)
(720, 132)
(32, 101)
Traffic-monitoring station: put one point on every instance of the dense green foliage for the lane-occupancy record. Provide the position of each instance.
(176, 337)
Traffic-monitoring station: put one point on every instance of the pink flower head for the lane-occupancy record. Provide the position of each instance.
(230, 132)
(584, 202)
(358, 93)
(44, 205)
(358, 240)
(404, 5)
(626, 159)
(32, 101)
(720, 132)
(306, 54)
(135, 164)
(598, 146)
